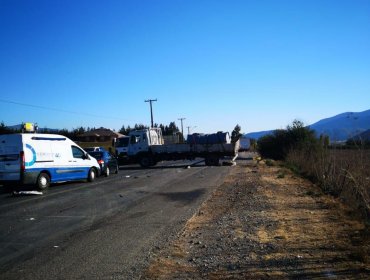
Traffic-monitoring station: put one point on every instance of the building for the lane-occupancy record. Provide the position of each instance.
(99, 135)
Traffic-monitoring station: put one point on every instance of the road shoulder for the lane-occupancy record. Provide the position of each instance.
(265, 222)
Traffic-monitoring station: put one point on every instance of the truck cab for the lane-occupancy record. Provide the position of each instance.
(121, 145)
(142, 140)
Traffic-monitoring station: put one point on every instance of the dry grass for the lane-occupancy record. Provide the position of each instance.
(344, 173)
(259, 226)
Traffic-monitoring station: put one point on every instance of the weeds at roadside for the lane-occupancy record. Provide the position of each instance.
(341, 173)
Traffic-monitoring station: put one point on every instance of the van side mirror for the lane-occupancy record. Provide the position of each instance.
(86, 156)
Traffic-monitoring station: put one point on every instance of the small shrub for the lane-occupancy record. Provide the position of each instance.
(278, 144)
(281, 175)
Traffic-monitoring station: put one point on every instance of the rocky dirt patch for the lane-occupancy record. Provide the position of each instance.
(266, 223)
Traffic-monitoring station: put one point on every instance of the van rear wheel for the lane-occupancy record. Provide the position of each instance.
(92, 175)
(43, 181)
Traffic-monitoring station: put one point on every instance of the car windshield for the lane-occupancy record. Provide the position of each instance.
(97, 155)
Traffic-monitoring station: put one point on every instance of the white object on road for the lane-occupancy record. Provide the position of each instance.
(28, 193)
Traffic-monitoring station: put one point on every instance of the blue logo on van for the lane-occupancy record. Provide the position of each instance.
(30, 163)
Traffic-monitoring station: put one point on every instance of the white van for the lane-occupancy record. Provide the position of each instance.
(41, 159)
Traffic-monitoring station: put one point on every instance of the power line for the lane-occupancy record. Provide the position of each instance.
(61, 110)
(190, 127)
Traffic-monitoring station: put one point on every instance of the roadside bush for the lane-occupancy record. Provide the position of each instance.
(278, 144)
(340, 172)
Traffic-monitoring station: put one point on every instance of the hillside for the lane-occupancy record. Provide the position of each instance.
(343, 126)
(364, 136)
(339, 128)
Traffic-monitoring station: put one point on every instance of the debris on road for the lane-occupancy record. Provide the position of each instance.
(229, 163)
(18, 193)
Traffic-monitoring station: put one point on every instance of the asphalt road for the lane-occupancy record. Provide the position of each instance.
(101, 230)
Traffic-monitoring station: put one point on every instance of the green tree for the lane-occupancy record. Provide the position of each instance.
(123, 130)
(278, 144)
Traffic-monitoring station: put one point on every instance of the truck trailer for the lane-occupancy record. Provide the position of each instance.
(146, 147)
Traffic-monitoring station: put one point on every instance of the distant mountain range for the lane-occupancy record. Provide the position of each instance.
(364, 136)
(339, 128)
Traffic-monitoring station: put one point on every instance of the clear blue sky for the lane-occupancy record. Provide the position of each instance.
(261, 64)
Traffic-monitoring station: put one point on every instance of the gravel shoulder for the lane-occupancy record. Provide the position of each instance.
(264, 222)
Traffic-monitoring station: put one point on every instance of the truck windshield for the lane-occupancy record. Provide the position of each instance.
(122, 142)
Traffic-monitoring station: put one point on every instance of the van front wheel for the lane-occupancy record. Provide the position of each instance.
(43, 181)
(92, 175)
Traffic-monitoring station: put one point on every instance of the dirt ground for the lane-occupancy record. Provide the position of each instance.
(264, 222)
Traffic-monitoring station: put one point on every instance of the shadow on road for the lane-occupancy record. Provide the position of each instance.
(137, 167)
(185, 197)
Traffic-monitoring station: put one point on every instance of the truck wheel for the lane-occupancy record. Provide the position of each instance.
(92, 175)
(212, 160)
(145, 162)
(43, 181)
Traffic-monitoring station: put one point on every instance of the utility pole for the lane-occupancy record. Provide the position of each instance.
(182, 128)
(151, 109)
(188, 127)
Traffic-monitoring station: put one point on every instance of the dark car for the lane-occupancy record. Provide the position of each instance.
(94, 149)
(108, 163)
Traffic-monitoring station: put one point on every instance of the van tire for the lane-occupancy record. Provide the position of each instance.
(92, 175)
(43, 181)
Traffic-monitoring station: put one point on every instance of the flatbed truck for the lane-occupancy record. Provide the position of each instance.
(146, 147)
